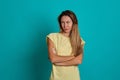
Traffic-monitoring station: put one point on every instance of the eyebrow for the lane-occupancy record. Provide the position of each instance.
(65, 21)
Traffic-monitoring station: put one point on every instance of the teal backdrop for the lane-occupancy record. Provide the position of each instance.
(24, 25)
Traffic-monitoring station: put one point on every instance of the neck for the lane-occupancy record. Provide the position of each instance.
(66, 34)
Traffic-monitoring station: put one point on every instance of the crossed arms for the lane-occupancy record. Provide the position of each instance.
(62, 60)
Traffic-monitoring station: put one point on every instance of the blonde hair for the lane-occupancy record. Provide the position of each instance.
(74, 34)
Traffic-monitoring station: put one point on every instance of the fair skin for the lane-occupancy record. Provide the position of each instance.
(66, 25)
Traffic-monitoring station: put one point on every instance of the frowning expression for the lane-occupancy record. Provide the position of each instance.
(66, 24)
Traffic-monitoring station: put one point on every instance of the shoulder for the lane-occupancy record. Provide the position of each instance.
(52, 35)
(82, 41)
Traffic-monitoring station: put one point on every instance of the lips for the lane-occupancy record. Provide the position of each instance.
(66, 29)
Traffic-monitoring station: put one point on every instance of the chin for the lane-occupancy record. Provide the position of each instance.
(68, 31)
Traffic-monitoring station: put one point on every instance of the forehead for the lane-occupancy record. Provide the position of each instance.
(65, 18)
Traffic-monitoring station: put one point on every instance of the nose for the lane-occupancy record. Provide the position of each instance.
(65, 24)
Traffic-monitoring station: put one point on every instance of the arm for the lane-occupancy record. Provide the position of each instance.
(75, 61)
(54, 58)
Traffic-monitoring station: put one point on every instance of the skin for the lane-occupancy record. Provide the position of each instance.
(66, 25)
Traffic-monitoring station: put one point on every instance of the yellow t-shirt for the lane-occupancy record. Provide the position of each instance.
(63, 48)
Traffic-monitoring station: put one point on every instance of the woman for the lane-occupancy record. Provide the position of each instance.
(65, 48)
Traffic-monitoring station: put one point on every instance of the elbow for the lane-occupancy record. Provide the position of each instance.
(79, 61)
(52, 60)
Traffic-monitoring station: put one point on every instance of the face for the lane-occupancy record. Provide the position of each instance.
(66, 24)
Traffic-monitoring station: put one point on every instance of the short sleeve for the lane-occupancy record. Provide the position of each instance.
(83, 42)
(51, 36)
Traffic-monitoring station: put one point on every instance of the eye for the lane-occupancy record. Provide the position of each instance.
(62, 22)
(68, 22)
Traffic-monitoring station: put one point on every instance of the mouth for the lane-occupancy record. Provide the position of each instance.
(66, 29)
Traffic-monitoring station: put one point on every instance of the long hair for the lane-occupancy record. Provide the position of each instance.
(74, 34)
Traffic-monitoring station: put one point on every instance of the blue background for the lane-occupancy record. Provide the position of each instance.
(24, 25)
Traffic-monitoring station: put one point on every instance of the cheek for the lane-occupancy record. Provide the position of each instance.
(62, 26)
(70, 26)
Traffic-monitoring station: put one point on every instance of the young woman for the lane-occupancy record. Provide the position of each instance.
(65, 48)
